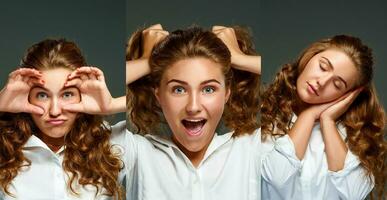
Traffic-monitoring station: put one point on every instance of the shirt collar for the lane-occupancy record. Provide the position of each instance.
(34, 142)
(165, 141)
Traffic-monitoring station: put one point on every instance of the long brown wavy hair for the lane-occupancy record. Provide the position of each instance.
(88, 156)
(364, 120)
(241, 109)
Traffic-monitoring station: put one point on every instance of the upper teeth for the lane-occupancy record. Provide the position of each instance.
(194, 120)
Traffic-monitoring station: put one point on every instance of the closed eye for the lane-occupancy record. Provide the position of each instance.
(323, 67)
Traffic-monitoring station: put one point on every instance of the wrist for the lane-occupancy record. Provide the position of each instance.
(118, 105)
(327, 119)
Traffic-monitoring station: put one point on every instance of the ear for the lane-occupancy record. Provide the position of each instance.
(228, 93)
(156, 92)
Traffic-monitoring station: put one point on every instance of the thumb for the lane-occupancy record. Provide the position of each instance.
(78, 107)
(34, 109)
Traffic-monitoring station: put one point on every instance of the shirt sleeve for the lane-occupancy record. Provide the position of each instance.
(352, 182)
(124, 141)
(280, 165)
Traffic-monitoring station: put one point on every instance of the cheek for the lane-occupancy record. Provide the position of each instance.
(172, 106)
(214, 104)
(333, 94)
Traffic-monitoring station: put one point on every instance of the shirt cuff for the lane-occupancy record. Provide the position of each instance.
(285, 146)
(350, 163)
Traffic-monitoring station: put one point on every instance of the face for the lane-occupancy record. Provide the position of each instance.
(326, 77)
(55, 122)
(192, 95)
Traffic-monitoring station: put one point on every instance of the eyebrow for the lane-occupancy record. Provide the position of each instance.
(63, 88)
(331, 66)
(185, 83)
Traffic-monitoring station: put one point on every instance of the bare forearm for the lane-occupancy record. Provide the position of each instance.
(335, 147)
(118, 105)
(135, 69)
(300, 133)
(248, 63)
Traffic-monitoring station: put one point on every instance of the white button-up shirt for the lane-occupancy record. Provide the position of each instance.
(158, 169)
(286, 177)
(45, 178)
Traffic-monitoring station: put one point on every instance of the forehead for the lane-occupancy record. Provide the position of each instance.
(55, 78)
(342, 64)
(194, 70)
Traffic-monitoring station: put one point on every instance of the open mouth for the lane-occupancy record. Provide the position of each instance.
(193, 126)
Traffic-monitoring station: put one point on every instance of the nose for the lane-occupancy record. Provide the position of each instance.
(194, 104)
(324, 79)
(55, 108)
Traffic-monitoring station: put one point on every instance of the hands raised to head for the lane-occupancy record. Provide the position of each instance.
(240, 60)
(14, 96)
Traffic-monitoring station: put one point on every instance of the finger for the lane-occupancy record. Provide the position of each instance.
(76, 82)
(78, 107)
(25, 78)
(84, 77)
(92, 76)
(98, 73)
(35, 81)
(78, 72)
(352, 96)
(217, 28)
(24, 72)
(155, 33)
(84, 69)
(155, 26)
(34, 109)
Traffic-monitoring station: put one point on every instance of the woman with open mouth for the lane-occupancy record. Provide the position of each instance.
(190, 79)
(323, 127)
(53, 141)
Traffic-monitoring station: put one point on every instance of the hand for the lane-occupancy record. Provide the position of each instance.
(227, 35)
(239, 59)
(317, 110)
(150, 37)
(135, 69)
(14, 96)
(95, 96)
(336, 110)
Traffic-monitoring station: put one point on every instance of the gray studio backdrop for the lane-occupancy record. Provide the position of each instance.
(290, 26)
(96, 26)
(177, 14)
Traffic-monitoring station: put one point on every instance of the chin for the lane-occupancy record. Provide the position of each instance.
(56, 133)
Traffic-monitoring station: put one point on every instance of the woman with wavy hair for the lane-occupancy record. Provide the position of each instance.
(323, 126)
(53, 141)
(189, 79)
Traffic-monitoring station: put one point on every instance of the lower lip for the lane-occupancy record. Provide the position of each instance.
(58, 122)
(310, 90)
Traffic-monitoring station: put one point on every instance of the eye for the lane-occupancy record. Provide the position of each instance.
(67, 95)
(41, 95)
(178, 90)
(322, 66)
(338, 84)
(208, 90)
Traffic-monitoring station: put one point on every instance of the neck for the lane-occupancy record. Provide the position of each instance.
(53, 143)
(194, 157)
(299, 106)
